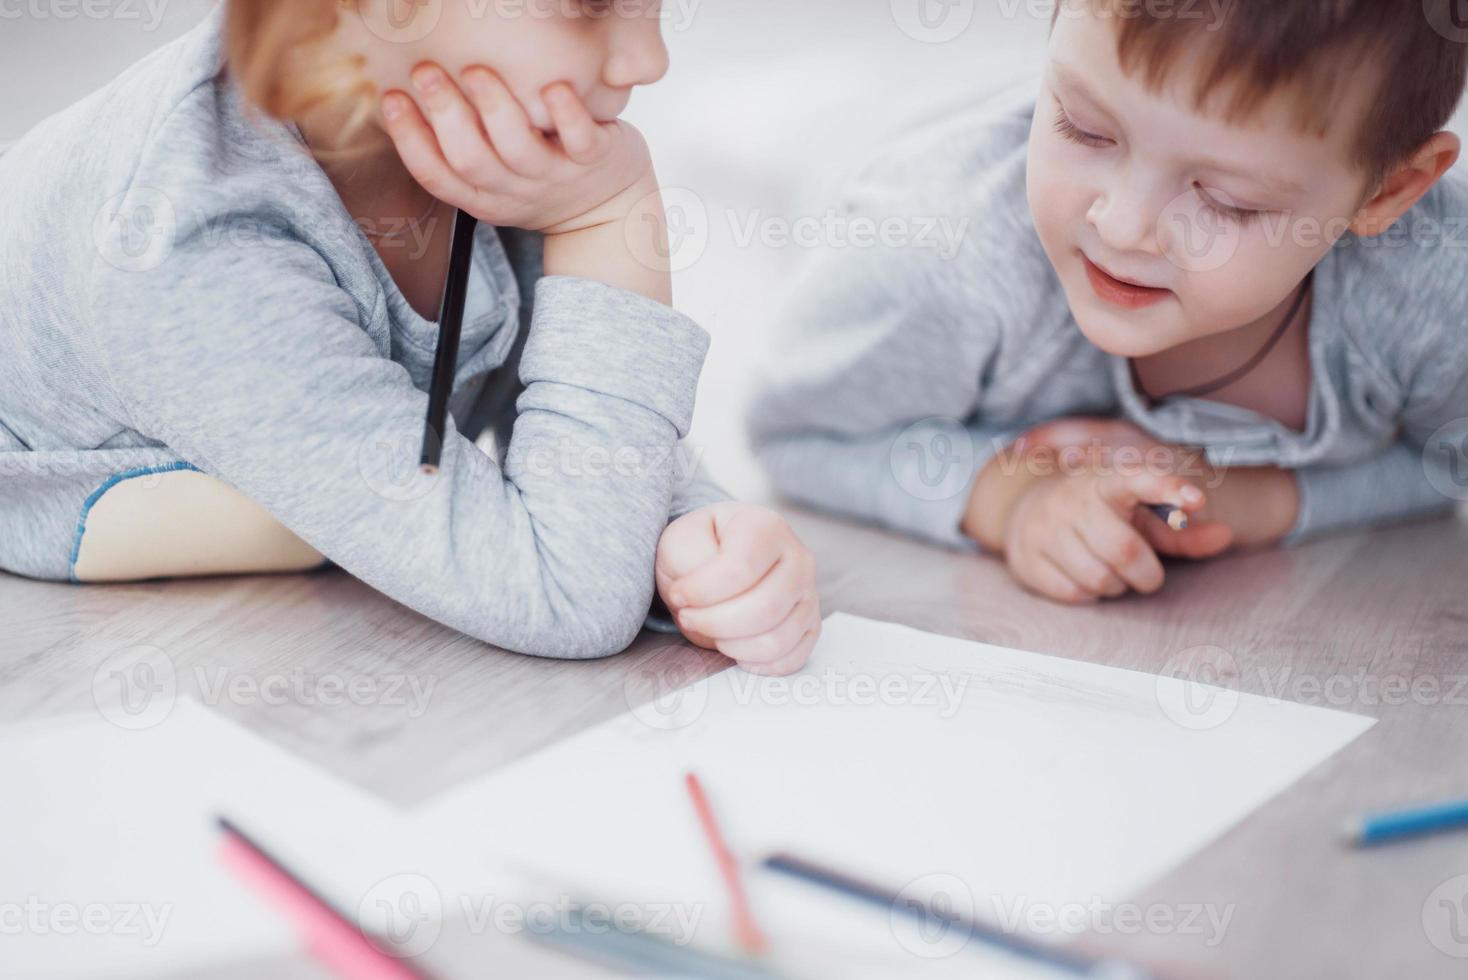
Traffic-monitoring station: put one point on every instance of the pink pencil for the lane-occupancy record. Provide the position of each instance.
(746, 931)
(332, 938)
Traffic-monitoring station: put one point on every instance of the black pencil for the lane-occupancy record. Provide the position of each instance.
(450, 328)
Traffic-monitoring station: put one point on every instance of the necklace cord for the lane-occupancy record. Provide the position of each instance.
(1240, 372)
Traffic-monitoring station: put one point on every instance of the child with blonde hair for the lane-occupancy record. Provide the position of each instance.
(220, 276)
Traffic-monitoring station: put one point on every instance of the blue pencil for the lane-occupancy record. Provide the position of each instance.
(1380, 828)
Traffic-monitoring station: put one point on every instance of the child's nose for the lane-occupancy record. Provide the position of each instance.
(1124, 221)
(638, 57)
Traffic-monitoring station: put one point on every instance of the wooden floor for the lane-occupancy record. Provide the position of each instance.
(1375, 624)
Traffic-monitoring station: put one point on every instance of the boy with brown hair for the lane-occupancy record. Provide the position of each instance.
(1232, 234)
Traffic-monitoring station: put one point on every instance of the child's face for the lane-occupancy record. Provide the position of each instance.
(1221, 220)
(603, 48)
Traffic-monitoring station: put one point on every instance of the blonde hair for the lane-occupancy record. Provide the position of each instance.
(274, 52)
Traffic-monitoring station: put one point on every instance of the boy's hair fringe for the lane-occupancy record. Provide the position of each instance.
(1310, 48)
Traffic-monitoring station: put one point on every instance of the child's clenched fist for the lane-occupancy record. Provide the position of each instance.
(738, 580)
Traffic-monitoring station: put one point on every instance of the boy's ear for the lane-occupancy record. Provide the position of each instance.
(1404, 186)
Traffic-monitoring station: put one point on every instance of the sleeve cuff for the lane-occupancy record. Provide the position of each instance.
(614, 342)
(1393, 486)
(697, 492)
(659, 619)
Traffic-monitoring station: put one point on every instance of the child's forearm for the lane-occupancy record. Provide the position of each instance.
(1260, 503)
(624, 244)
(999, 487)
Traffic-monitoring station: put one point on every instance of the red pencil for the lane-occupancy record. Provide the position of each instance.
(746, 931)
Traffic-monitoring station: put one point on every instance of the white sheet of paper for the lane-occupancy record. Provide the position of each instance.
(108, 862)
(1021, 788)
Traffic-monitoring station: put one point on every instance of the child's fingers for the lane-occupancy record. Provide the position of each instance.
(1196, 541)
(1124, 493)
(1086, 569)
(748, 550)
(1122, 547)
(1044, 576)
(523, 149)
(756, 611)
(792, 661)
(767, 648)
(456, 124)
(582, 137)
(418, 147)
(688, 544)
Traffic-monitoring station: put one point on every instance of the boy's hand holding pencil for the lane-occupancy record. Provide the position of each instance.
(1091, 522)
(1074, 537)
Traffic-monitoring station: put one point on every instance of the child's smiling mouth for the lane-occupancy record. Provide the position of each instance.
(1120, 292)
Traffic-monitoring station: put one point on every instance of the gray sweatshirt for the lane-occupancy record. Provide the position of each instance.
(902, 366)
(181, 287)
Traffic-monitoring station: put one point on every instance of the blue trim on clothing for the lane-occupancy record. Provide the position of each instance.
(96, 495)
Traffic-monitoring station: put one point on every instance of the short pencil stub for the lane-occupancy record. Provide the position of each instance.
(1174, 517)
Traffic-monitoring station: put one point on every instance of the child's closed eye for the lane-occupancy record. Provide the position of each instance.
(1067, 128)
(1244, 216)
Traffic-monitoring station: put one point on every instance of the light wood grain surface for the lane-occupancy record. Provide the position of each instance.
(1374, 623)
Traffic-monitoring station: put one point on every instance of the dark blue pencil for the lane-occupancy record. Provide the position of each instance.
(1381, 828)
(1174, 517)
(1076, 964)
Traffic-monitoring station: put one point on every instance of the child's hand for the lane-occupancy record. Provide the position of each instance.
(1099, 440)
(738, 580)
(472, 146)
(1076, 538)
